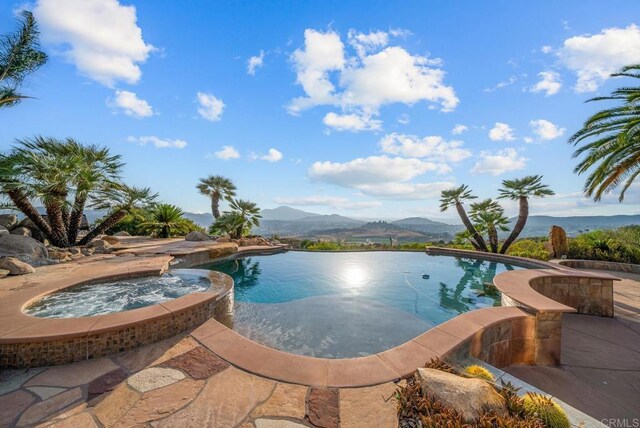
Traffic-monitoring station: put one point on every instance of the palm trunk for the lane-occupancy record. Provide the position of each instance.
(493, 239)
(56, 220)
(75, 220)
(472, 230)
(22, 203)
(107, 224)
(215, 206)
(523, 215)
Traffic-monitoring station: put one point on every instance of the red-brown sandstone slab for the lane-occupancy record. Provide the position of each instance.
(105, 383)
(226, 399)
(369, 407)
(113, 408)
(161, 402)
(322, 405)
(81, 420)
(199, 363)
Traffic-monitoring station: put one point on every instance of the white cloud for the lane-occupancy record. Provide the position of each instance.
(510, 81)
(226, 153)
(158, 142)
(549, 83)
(407, 191)
(546, 130)
(210, 107)
(372, 170)
(528, 140)
(404, 119)
(459, 129)
(546, 49)
(352, 122)
(432, 147)
(254, 63)
(131, 105)
(331, 201)
(595, 57)
(100, 37)
(364, 43)
(499, 162)
(501, 132)
(377, 75)
(272, 155)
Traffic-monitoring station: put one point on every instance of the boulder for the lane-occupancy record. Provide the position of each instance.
(23, 248)
(74, 250)
(3, 273)
(59, 254)
(15, 266)
(3, 230)
(251, 242)
(122, 233)
(557, 242)
(26, 222)
(8, 221)
(22, 231)
(223, 239)
(98, 243)
(110, 239)
(197, 236)
(469, 396)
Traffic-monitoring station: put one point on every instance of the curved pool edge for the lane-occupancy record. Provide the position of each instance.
(27, 341)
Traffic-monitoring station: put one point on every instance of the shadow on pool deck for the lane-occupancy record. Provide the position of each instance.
(600, 371)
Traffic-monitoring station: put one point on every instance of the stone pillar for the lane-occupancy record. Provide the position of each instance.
(548, 338)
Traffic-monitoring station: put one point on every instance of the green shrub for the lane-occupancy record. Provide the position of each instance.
(531, 248)
(617, 245)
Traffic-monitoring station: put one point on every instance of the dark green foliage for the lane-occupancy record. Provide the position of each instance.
(19, 56)
(611, 141)
(617, 245)
(530, 248)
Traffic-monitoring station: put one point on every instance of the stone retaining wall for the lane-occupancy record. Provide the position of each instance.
(601, 265)
(591, 296)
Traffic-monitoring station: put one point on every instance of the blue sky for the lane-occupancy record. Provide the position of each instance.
(346, 107)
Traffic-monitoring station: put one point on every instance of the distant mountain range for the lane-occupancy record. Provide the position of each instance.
(292, 222)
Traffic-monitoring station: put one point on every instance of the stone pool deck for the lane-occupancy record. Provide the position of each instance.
(211, 376)
(600, 370)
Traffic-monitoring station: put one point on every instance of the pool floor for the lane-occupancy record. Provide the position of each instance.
(341, 305)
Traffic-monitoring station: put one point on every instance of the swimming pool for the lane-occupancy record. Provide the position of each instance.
(341, 305)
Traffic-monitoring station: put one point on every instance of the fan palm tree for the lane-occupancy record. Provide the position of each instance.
(19, 56)
(217, 187)
(119, 200)
(248, 215)
(165, 220)
(521, 190)
(613, 152)
(227, 224)
(489, 217)
(456, 197)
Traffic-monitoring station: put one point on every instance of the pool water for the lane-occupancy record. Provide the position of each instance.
(116, 296)
(340, 305)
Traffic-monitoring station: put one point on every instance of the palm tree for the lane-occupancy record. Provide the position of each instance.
(166, 220)
(227, 224)
(19, 56)
(217, 187)
(248, 215)
(521, 190)
(489, 216)
(455, 197)
(613, 153)
(119, 200)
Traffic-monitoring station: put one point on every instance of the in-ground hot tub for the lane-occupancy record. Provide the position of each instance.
(120, 295)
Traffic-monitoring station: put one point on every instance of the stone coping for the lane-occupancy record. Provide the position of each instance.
(399, 362)
(494, 257)
(600, 265)
(18, 327)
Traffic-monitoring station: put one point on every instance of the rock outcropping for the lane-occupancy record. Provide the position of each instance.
(557, 242)
(23, 248)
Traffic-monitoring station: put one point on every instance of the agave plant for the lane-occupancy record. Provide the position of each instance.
(612, 141)
(165, 220)
(217, 187)
(19, 56)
